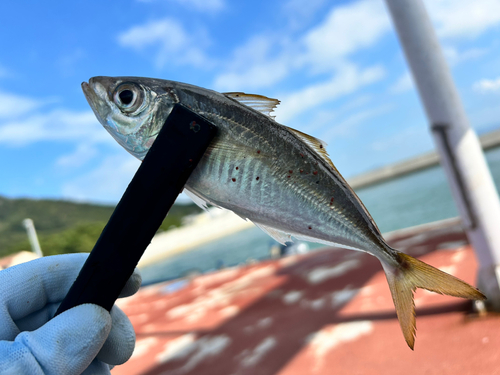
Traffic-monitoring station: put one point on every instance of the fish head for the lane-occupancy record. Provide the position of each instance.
(133, 110)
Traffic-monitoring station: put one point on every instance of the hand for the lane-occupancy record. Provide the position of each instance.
(84, 338)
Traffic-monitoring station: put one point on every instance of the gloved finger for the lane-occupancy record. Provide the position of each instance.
(97, 368)
(38, 318)
(68, 343)
(133, 284)
(38, 282)
(31, 292)
(120, 343)
(28, 287)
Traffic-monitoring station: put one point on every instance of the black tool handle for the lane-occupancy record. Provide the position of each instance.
(167, 166)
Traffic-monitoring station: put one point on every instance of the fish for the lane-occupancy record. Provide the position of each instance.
(278, 177)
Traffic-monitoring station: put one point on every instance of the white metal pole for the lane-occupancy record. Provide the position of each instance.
(30, 229)
(457, 144)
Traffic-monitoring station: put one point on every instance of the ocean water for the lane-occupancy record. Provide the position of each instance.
(414, 199)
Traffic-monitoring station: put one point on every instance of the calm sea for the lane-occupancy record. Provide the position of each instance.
(414, 199)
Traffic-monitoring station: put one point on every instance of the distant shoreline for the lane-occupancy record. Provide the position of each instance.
(206, 227)
(388, 172)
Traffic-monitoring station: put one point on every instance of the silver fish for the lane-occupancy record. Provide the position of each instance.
(279, 178)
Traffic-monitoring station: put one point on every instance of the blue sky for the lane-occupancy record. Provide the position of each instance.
(336, 66)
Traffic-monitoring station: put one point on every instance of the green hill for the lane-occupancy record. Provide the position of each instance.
(63, 226)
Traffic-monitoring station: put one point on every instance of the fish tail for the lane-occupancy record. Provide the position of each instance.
(409, 274)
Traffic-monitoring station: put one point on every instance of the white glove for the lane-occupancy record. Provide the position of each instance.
(84, 339)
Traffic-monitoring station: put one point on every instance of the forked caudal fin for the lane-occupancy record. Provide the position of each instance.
(412, 274)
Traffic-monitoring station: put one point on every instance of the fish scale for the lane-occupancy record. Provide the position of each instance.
(299, 191)
(279, 179)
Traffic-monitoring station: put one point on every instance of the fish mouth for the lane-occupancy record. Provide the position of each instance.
(98, 105)
(86, 90)
(90, 95)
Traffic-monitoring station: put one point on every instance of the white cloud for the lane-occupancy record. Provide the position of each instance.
(350, 124)
(322, 118)
(257, 76)
(463, 18)
(174, 44)
(56, 125)
(106, 183)
(252, 65)
(487, 85)
(404, 83)
(267, 59)
(299, 15)
(346, 29)
(82, 154)
(23, 123)
(12, 106)
(454, 56)
(347, 80)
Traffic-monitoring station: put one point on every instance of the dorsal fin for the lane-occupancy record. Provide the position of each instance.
(316, 144)
(319, 147)
(260, 103)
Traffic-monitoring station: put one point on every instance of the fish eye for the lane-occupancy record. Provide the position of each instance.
(128, 97)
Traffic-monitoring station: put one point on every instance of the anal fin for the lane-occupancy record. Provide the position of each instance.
(277, 234)
(200, 202)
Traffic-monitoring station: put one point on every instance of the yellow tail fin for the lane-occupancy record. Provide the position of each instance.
(412, 274)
